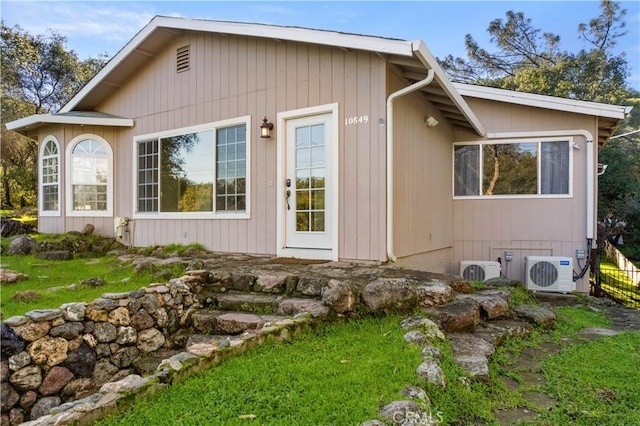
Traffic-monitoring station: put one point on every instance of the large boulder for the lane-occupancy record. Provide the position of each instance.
(536, 314)
(22, 244)
(459, 315)
(340, 296)
(472, 354)
(385, 295)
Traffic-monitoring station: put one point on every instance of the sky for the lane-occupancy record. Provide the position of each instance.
(104, 27)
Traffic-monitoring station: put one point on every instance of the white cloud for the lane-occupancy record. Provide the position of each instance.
(109, 21)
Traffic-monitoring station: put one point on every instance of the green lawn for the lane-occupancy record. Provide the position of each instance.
(342, 373)
(338, 374)
(596, 383)
(49, 279)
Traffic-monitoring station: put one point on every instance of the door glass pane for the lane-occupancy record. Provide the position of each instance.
(310, 178)
(317, 200)
(302, 200)
(302, 137)
(302, 221)
(317, 221)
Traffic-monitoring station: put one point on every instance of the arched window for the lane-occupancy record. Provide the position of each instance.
(50, 177)
(89, 176)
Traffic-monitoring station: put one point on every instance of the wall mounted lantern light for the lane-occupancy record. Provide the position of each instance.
(265, 129)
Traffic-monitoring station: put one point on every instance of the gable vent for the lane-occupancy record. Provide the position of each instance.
(182, 59)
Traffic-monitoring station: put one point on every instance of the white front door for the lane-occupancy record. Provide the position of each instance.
(308, 209)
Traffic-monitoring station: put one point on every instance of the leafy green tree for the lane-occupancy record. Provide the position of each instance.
(529, 60)
(39, 75)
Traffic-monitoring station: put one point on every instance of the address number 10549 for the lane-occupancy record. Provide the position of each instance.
(356, 119)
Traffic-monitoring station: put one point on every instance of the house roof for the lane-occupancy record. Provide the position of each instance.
(409, 59)
(609, 116)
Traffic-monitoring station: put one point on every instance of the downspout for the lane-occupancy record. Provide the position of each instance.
(392, 97)
(590, 166)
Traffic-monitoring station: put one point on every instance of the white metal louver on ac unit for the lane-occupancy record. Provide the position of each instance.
(479, 270)
(549, 273)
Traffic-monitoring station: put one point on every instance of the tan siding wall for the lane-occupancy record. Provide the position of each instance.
(484, 229)
(423, 208)
(237, 76)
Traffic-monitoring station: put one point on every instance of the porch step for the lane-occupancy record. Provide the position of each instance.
(247, 302)
(230, 322)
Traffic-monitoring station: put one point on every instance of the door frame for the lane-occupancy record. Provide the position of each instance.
(332, 155)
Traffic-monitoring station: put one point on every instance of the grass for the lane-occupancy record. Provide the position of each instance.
(50, 279)
(595, 383)
(342, 373)
(25, 216)
(339, 374)
(618, 285)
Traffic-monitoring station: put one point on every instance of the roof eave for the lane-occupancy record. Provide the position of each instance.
(329, 38)
(427, 58)
(38, 120)
(542, 101)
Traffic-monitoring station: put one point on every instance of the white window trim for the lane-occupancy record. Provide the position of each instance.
(213, 126)
(514, 196)
(41, 210)
(69, 183)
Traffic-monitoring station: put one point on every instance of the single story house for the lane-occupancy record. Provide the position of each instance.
(295, 142)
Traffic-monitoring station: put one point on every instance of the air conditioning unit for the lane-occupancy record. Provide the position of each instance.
(549, 273)
(479, 270)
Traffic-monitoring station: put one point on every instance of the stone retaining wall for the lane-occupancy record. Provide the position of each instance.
(67, 360)
(60, 355)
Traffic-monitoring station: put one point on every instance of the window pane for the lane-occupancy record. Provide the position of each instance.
(186, 177)
(89, 197)
(510, 169)
(148, 176)
(466, 170)
(554, 167)
(89, 175)
(231, 168)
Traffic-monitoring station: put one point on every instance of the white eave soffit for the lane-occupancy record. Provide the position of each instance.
(42, 119)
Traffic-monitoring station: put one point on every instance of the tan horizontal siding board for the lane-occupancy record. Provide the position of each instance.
(234, 76)
(484, 229)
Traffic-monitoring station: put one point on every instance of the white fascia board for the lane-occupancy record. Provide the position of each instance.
(297, 34)
(37, 119)
(426, 57)
(303, 35)
(543, 101)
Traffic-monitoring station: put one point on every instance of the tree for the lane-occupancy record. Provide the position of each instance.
(39, 75)
(529, 60)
